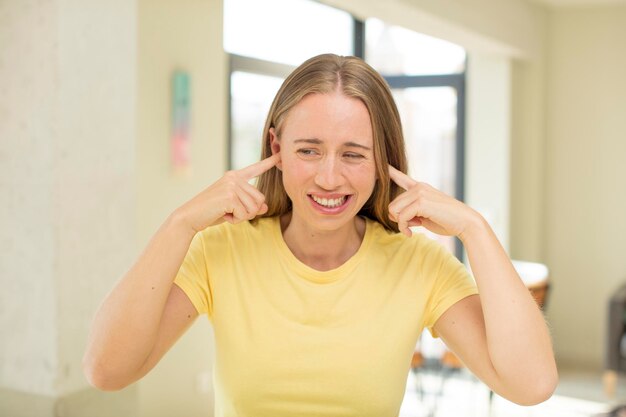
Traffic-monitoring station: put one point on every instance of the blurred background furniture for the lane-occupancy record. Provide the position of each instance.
(535, 277)
(615, 350)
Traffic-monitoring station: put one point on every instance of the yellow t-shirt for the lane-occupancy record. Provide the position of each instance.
(294, 341)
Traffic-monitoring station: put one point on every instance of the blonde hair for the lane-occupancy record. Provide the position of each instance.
(325, 74)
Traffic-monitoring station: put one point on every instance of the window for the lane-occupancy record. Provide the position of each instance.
(285, 31)
(394, 50)
(251, 95)
(266, 43)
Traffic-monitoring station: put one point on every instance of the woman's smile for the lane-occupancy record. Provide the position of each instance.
(330, 205)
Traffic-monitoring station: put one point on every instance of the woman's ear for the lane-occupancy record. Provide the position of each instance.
(275, 146)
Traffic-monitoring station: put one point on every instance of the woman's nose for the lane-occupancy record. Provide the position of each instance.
(329, 175)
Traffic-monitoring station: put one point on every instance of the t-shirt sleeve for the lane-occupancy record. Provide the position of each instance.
(451, 283)
(193, 276)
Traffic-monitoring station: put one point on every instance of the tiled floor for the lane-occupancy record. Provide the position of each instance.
(579, 394)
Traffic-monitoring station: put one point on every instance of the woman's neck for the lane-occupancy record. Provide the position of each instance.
(322, 249)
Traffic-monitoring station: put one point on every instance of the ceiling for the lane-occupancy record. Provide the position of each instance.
(577, 3)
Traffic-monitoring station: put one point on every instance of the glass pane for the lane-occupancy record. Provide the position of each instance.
(251, 96)
(429, 123)
(394, 50)
(286, 31)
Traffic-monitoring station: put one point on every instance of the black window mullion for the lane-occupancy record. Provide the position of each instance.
(409, 81)
(359, 38)
(460, 154)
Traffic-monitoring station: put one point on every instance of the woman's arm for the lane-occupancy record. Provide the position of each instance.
(145, 313)
(501, 334)
(126, 326)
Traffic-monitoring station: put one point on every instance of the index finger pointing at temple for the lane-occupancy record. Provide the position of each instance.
(260, 167)
(401, 178)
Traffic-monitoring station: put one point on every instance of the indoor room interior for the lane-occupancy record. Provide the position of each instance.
(114, 113)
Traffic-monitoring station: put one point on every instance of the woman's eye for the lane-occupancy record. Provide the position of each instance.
(354, 155)
(307, 152)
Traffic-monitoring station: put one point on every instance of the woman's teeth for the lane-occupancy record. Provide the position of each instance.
(333, 202)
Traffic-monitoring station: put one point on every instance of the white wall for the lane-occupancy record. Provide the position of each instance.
(67, 129)
(94, 171)
(585, 226)
(67, 124)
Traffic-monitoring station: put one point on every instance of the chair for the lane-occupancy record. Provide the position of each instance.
(615, 350)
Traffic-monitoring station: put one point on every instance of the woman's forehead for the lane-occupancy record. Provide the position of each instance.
(329, 117)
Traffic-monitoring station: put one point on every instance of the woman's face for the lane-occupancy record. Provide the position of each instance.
(327, 159)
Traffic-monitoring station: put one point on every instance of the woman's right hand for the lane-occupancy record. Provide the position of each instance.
(231, 198)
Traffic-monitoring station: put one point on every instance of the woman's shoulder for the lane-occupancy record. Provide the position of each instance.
(258, 227)
(384, 238)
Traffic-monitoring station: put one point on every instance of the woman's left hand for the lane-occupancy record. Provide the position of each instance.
(423, 205)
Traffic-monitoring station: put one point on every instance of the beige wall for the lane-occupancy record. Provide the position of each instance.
(488, 140)
(182, 35)
(585, 226)
(28, 351)
(528, 121)
(506, 27)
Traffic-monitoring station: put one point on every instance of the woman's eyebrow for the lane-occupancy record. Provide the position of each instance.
(357, 145)
(316, 141)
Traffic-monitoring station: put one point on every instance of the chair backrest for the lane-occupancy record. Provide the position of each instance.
(535, 277)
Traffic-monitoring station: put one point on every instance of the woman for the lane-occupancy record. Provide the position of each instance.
(315, 298)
